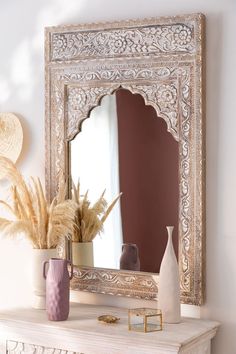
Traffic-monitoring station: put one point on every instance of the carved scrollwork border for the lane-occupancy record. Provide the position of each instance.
(122, 283)
(14, 347)
(161, 59)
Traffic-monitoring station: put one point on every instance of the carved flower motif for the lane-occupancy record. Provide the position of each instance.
(182, 35)
(77, 99)
(166, 96)
(120, 42)
(59, 43)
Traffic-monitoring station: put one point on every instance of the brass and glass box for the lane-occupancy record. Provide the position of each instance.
(144, 319)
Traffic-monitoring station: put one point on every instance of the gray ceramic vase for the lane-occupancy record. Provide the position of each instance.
(129, 259)
(57, 288)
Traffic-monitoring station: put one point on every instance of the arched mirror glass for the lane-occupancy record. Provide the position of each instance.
(124, 147)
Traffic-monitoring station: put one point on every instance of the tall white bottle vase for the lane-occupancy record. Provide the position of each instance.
(169, 283)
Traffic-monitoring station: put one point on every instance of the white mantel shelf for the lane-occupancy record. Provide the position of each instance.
(29, 331)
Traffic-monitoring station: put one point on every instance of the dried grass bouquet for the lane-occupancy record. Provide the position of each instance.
(89, 218)
(42, 223)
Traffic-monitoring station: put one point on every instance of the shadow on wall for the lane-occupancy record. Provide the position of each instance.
(22, 74)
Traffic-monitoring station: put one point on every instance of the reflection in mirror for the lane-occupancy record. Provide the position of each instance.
(125, 147)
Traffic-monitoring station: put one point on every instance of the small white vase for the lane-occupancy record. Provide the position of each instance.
(39, 256)
(169, 284)
(82, 254)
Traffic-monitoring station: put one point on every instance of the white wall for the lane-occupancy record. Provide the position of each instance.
(22, 91)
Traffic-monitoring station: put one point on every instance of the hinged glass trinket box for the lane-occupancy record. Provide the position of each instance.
(144, 319)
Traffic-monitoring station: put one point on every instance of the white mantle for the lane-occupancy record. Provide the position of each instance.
(29, 331)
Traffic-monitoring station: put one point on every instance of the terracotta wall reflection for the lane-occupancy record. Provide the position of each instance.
(148, 158)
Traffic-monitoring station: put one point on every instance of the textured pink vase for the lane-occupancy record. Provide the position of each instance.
(57, 289)
(129, 259)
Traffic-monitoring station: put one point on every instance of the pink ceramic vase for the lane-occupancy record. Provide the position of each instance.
(57, 288)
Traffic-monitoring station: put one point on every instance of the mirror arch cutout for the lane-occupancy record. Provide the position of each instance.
(160, 59)
(165, 107)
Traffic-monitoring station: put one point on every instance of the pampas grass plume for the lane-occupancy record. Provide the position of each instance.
(42, 223)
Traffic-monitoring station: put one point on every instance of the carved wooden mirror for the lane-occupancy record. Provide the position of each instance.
(157, 63)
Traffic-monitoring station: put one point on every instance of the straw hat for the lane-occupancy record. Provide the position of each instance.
(11, 136)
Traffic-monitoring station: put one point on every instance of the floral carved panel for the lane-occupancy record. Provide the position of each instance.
(160, 59)
(153, 39)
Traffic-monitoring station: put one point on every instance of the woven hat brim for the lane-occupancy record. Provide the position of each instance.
(11, 137)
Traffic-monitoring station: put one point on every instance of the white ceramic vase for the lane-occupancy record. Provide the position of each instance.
(169, 283)
(39, 256)
(82, 254)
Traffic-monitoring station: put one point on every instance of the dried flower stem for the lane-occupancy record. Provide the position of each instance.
(43, 224)
(89, 218)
